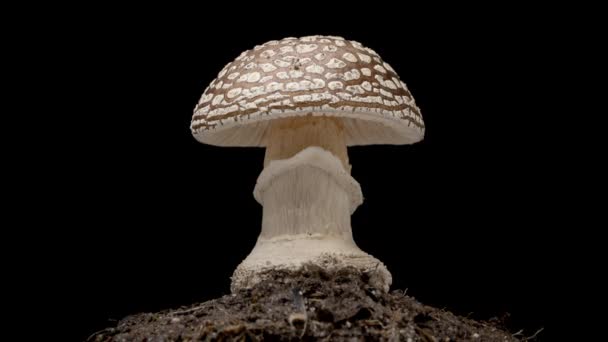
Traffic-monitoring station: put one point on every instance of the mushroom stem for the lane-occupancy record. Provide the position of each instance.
(309, 201)
(286, 137)
(308, 196)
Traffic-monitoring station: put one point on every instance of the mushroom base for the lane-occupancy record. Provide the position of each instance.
(308, 200)
(293, 253)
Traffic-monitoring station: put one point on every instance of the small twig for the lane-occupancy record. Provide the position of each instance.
(518, 333)
(186, 311)
(298, 300)
(535, 334)
(300, 314)
(90, 338)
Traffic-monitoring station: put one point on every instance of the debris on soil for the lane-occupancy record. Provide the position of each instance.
(310, 304)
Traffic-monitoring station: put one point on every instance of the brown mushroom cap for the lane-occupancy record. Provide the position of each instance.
(314, 75)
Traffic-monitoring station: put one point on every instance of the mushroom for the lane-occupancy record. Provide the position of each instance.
(305, 100)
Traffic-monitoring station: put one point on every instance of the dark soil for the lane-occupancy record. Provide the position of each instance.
(311, 304)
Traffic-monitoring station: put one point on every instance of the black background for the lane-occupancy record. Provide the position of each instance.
(150, 219)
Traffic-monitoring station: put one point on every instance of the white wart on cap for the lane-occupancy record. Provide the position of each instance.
(318, 75)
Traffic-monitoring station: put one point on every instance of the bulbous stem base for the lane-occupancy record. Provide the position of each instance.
(308, 200)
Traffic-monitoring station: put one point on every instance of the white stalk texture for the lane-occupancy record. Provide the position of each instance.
(308, 197)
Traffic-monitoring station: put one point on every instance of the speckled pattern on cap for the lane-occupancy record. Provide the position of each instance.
(316, 75)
